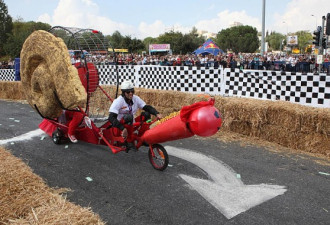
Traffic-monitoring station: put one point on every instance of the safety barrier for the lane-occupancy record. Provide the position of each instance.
(306, 89)
(7, 74)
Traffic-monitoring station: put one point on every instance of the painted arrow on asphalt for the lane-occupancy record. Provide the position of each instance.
(224, 190)
(23, 137)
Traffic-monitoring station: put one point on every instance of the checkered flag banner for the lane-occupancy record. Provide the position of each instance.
(7, 75)
(306, 89)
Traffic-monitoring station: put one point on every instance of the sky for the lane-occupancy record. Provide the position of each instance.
(150, 18)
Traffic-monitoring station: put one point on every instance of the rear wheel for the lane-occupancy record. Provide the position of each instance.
(158, 157)
(56, 136)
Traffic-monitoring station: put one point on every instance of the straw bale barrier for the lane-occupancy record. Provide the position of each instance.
(26, 199)
(290, 125)
(46, 70)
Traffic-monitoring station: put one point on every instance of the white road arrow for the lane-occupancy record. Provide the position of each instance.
(224, 190)
(23, 137)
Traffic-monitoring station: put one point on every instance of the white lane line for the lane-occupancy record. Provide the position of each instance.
(23, 137)
(224, 190)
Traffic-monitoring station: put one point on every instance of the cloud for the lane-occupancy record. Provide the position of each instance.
(297, 16)
(150, 30)
(225, 18)
(86, 14)
(83, 14)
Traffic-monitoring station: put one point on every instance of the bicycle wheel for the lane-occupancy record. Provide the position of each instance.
(57, 136)
(158, 157)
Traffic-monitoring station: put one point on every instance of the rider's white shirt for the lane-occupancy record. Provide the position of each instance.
(120, 107)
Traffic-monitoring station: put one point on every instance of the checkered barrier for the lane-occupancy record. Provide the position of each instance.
(181, 78)
(175, 78)
(7, 74)
(108, 73)
(306, 89)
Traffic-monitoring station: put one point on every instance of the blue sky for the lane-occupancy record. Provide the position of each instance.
(143, 18)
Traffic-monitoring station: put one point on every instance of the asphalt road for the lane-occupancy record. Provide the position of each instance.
(207, 182)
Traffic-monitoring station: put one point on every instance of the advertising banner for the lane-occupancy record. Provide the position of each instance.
(159, 47)
(292, 40)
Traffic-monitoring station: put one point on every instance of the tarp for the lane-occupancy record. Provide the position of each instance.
(209, 47)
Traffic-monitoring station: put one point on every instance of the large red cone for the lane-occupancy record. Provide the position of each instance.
(201, 118)
(170, 130)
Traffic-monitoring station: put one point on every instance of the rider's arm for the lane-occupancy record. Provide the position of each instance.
(114, 121)
(150, 109)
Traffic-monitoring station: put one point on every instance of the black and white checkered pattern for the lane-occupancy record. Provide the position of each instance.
(183, 78)
(7, 74)
(306, 89)
(108, 73)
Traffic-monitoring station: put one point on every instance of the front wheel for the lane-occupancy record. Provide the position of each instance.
(158, 157)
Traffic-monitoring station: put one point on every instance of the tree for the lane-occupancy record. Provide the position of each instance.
(136, 45)
(115, 39)
(118, 41)
(172, 38)
(275, 41)
(6, 25)
(304, 39)
(238, 39)
(20, 31)
(149, 40)
(191, 41)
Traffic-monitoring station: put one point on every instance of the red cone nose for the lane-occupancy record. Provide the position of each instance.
(205, 121)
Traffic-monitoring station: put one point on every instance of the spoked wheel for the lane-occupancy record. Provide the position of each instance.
(56, 136)
(158, 157)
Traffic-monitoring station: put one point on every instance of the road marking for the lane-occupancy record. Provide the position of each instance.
(224, 191)
(23, 137)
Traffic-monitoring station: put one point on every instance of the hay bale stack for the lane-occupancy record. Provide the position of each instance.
(46, 71)
(11, 90)
(26, 199)
(290, 125)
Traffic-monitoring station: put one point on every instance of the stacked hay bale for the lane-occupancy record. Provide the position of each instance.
(11, 90)
(290, 125)
(26, 199)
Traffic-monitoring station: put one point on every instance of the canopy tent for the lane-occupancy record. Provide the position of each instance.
(209, 47)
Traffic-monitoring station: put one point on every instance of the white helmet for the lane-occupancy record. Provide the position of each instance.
(126, 85)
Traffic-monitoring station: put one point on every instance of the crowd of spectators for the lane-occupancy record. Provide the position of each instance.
(305, 63)
(7, 65)
(277, 62)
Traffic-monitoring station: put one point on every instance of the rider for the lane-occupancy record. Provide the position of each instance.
(124, 108)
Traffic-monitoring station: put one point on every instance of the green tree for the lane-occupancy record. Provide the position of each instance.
(275, 41)
(136, 46)
(147, 41)
(238, 39)
(6, 25)
(21, 30)
(172, 38)
(304, 39)
(191, 41)
(116, 39)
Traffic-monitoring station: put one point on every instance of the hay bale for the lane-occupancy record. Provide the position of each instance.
(26, 199)
(46, 71)
(11, 90)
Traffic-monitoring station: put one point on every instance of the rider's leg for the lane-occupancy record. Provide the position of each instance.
(77, 117)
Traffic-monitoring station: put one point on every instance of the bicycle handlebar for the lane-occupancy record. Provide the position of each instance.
(136, 124)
